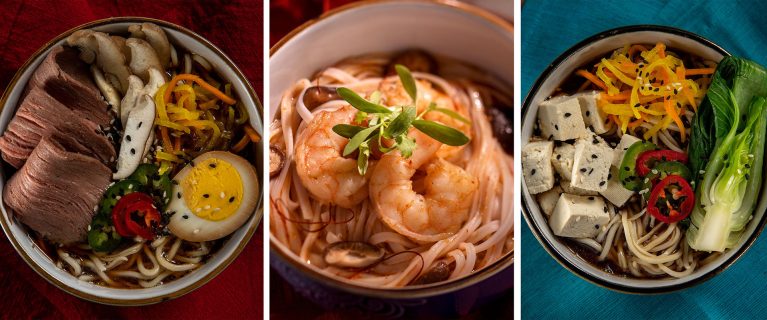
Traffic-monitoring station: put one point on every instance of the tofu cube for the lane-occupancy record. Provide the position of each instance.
(615, 192)
(593, 117)
(536, 166)
(567, 187)
(578, 216)
(561, 119)
(626, 141)
(548, 200)
(562, 160)
(591, 164)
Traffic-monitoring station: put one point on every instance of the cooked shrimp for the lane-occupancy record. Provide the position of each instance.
(439, 211)
(394, 94)
(320, 165)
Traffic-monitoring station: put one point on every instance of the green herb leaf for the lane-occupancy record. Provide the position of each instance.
(360, 116)
(405, 145)
(375, 97)
(362, 158)
(346, 130)
(401, 123)
(453, 114)
(360, 103)
(441, 133)
(407, 81)
(358, 139)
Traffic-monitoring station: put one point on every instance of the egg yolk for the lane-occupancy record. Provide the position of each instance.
(213, 189)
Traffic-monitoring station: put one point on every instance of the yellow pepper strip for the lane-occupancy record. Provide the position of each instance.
(660, 125)
(164, 167)
(671, 110)
(160, 103)
(680, 72)
(617, 109)
(622, 77)
(634, 100)
(196, 79)
(611, 89)
(210, 104)
(172, 125)
(167, 157)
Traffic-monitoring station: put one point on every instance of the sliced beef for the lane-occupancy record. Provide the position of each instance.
(56, 191)
(68, 79)
(40, 115)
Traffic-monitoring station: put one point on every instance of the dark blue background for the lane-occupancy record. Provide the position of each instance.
(548, 289)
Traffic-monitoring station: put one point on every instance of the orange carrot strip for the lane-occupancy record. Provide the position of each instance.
(165, 139)
(241, 144)
(591, 77)
(635, 48)
(680, 74)
(254, 136)
(698, 72)
(671, 111)
(190, 77)
(177, 144)
(635, 123)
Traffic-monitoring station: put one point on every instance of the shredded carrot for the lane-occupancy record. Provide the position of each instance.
(635, 123)
(591, 77)
(699, 72)
(252, 134)
(165, 139)
(190, 77)
(177, 144)
(634, 48)
(661, 49)
(671, 111)
(241, 144)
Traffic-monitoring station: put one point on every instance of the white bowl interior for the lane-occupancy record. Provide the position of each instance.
(390, 27)
(38, 257)
(578, 59)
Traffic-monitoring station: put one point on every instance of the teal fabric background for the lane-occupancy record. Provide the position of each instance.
(548, 289)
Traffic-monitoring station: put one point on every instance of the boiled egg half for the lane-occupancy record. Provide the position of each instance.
(212, 196)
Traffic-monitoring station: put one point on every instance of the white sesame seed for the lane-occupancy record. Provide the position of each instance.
(216, 209)
(207, 207)
(118, 197)
(222, 195)
(196, 231)
(198, 210)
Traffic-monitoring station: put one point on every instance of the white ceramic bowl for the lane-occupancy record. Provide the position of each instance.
(448, 28)
(42, 264)
(574, 58)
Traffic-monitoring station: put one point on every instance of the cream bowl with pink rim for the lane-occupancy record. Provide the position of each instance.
(576, 57)
(443, 28)
(42, 264)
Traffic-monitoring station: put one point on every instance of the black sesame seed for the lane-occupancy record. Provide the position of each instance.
(559, 156)
(185, 216)
(127, 137)
(609, 176)
(556, 127)
(178, 195)
(140, 123)
(605, 208)
(567, 114)
(583, 169)
(132, 151)
(212, 165)
(627, 168)
(206, 196)
(596, 226)
(602, 183)
(747, 176)
(590, 171)
(594, 156)
(588, 113)
(231, 199)
(551, 137)
(748, 166)
(591, 198)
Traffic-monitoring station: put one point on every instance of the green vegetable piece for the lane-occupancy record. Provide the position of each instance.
(407, 81)
(358, 139)
(362, 158)
(360, 103)
(452, 114)
(144, 173)
(161, 190)
(441, 133)
(102, 236)
(118, 189)
(664, 169)
(628, 175)
(347, 130)
(401, 123)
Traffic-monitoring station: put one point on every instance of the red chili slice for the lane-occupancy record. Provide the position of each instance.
(646, 159)
(135, 215)
(675, 198)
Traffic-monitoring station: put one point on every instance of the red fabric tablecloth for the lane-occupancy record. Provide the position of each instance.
(234, 26)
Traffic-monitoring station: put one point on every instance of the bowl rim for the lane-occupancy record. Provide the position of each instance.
(258, 214)
(506, 262)
(527, 213)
